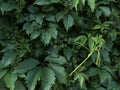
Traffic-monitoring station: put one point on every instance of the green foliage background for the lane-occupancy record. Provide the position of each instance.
(59, 45)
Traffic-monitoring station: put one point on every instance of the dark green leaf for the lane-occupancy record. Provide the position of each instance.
(59, 72)
(48, 78)
(27, 64)
(8, 58)
(59, 60)
(32, 77)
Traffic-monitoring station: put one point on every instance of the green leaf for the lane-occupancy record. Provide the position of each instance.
(53, 32)
(67, 52)
(48, 34)
(6, 7)
(92, 71)
(81, 40)
(91, 4)
(48, 78)
(28, 28)
(59, 73)
(106, 11)
(2, 85)
(54, 1)
(83, 1)
(33, 9)
(32, 77)
(3, 72)
(39, 18)
(101, 88)
(34, 34)
(60, 15)
(76, 4)
(42, 2)
(59, 60)
(104, 75)
(97, 27)
(27, 64)
(45, 2)
(10, 79)
(68, 21)
(19, 85)
(91, 44)
(8, 58)
(81, 77)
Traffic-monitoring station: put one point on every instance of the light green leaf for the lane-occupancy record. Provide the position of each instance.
(97, 27)
(91, 4)
(27, 64)
(8, 58)
(81, 40)
(59, 60)
(45, 2)
(68, 21)
(32, 77)
(83, 1)
(54, 1)
(105, 10)
(6, 7)
(41, 2)
(34, 34)
(81, 77)
(59, 73)
(76, 4)
(10, 79)
(48, 78)
(91, 44)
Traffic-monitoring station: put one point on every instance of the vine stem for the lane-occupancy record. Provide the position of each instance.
(83, 62)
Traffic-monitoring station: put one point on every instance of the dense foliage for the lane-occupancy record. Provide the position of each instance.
(59, 45)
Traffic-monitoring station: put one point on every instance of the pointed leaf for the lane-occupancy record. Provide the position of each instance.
(59, 60)
(2, 85)
(91, 4)
(81, 40)
(35, 34)
(68, 52)
(68, 21)
(48, 78)
(27, 64)
(2, 73)
(10, 79)
(59, 73)
(8, 58)
(46, 36)
(106, 10)
(19, 85)
(32, 77)
(104, 75)
(41, 2)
